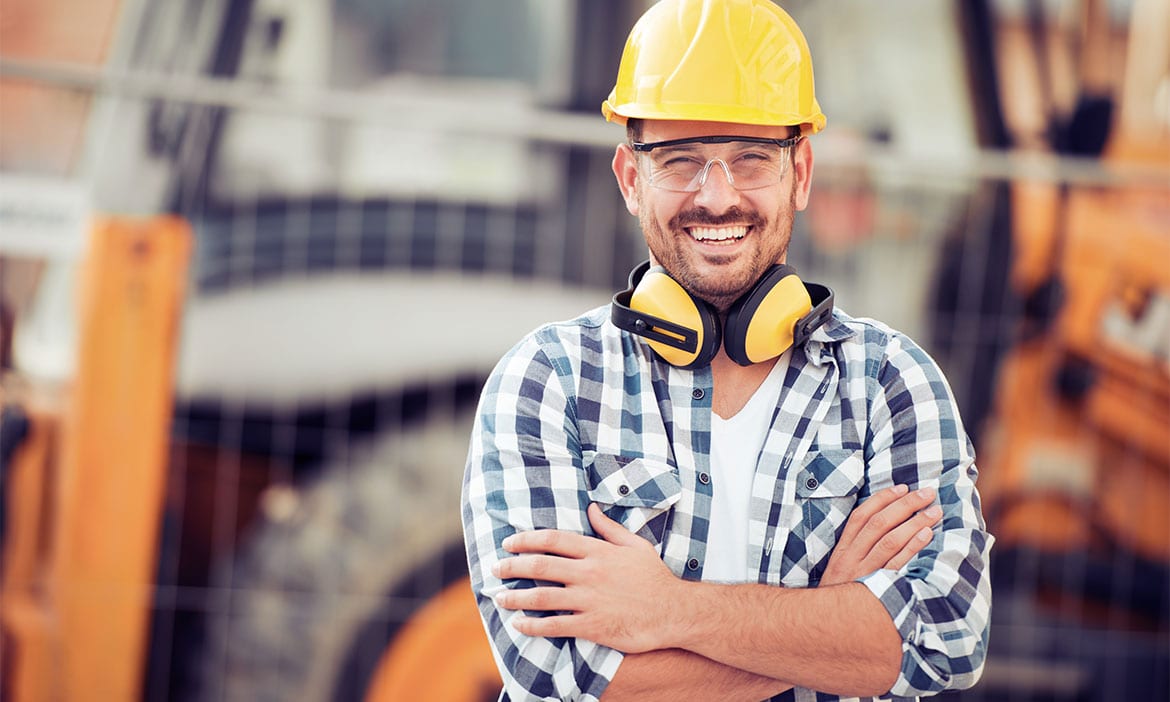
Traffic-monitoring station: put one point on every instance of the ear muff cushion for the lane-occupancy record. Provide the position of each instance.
(760, 324)
(660, 295)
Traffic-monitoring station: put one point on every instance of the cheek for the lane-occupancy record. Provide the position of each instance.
(782, 208)
(651, 213)
(650, 225)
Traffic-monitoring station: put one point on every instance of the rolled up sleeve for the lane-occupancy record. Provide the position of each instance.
(940, 601)
(524, 472)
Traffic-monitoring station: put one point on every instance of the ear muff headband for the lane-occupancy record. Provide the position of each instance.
(818, 316)
(681, 329)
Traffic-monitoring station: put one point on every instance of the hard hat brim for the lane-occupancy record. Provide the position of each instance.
(810, 124)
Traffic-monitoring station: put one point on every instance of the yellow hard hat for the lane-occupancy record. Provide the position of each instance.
(741, 61)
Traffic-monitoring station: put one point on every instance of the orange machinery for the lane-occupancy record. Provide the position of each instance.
(85, 488)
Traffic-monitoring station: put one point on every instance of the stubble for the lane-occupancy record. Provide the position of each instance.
(720, 291)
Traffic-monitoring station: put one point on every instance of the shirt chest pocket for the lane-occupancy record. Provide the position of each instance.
(637, 492)
(826, 491)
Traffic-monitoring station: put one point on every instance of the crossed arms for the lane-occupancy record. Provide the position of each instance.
(685, 638)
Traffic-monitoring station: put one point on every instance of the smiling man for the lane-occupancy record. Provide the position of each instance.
(719, 486)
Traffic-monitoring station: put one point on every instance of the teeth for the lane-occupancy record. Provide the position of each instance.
(721, 234)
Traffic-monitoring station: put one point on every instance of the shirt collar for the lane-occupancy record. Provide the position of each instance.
(830, 333)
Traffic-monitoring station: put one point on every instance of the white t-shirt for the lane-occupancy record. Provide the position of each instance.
(735, 448)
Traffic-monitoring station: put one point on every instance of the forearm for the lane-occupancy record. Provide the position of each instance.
(673, 674)
(835, 639)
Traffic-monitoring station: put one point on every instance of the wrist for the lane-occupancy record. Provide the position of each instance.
(692, 602)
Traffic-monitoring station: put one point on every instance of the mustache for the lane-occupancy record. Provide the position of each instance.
(701, 216)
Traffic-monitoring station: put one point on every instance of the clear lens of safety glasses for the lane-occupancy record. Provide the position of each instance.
(684, 165)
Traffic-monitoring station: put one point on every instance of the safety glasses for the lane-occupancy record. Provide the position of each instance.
(682, 165)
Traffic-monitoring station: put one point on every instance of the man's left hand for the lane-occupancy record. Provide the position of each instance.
(616, 592)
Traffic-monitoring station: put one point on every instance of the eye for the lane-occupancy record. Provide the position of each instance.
(680, 161)
(755, 157)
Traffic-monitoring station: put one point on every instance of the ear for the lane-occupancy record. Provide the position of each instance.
(625, 169)
(802, 171)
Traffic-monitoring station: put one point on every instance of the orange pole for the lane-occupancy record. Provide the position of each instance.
(110, 488)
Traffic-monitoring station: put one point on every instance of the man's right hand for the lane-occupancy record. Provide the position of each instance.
(884, 532)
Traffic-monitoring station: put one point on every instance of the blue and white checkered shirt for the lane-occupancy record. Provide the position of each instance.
(582, 412)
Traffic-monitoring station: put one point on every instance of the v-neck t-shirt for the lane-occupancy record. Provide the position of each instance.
(735, 449)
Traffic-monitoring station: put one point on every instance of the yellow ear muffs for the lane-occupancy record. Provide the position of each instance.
(682, 329)
(778, 312)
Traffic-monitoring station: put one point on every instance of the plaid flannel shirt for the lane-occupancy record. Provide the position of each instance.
(581, 412)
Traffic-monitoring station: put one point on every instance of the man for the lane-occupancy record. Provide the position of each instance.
(719, 487)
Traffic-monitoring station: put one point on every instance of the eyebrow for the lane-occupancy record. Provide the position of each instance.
(668, 149)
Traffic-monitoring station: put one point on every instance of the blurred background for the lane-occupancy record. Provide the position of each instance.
(258, 256)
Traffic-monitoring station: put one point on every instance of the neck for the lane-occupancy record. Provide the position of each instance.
(734, 384)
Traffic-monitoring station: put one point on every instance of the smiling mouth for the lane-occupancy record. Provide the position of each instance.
(718, 234)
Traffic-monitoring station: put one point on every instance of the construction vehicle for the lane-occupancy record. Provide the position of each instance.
(1074, 452)
(1094, 360)
(92, 458)
(296, 424)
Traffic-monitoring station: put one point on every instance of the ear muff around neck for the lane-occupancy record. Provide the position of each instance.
(680, 328)
(760, 324)
(778, 312)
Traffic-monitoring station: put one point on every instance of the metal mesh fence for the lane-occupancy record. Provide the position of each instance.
(933, 256)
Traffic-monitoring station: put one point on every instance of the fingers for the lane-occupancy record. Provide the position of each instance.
(570, 544)
(888, 518)
(886, 531)
(542, 599)
(915, 544)
(555, 541)
(559, 556)
(561, 625)
(870, 507)
(538, 567)
(895, 549)
(610, 530)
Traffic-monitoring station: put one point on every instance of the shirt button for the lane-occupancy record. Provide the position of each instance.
(698, 393)
(624, 489)
(693, 564)
(704, 479)
(811, 483)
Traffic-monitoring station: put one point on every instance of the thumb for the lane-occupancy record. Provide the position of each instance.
(608, 529)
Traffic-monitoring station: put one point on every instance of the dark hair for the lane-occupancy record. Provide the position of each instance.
(633, 130)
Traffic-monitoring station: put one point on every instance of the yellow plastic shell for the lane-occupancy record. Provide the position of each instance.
(743, 61)
(660, 295)
(770, 331)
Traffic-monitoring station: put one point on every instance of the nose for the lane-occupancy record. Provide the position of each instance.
(716, 191)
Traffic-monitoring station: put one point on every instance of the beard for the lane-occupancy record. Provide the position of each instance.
(722, 290)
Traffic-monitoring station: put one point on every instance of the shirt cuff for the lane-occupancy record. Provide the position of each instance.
(896, 594)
